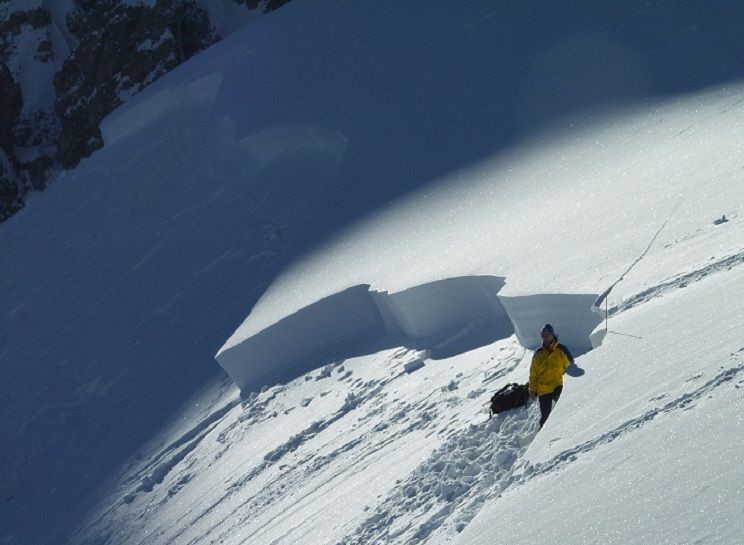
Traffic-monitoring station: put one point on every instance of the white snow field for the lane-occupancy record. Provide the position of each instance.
(392, 199)
(396, 447)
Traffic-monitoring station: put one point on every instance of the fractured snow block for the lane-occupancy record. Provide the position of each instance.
(414, 365)
(570, 314)
(343, 322)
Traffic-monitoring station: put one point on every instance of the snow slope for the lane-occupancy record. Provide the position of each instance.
(609, 213)
(366, 443)
(427, 212)
(362, 452)
(647, 450)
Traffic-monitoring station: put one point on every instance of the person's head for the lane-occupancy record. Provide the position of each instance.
(548, 334)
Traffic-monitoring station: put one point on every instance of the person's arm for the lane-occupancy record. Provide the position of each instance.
(567, 352)
(533, 377)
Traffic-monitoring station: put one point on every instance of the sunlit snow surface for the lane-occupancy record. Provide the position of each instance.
(570, 214)
(396, 447)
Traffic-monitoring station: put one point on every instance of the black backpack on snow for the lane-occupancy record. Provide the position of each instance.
(511, 396)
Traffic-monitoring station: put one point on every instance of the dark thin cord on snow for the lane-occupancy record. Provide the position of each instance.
(603, 297)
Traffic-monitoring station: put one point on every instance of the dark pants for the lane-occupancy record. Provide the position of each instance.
(546, 403)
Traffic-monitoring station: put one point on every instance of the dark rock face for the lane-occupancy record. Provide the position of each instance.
(267, 6)
(11, 25)
(121, 50)
(10, 106)
(14, 129)
(11, 199)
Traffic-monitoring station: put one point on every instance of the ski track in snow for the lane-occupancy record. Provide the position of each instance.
(170, 456)
(683, 402)
(448, 486)
(678, 282)
(274, 489)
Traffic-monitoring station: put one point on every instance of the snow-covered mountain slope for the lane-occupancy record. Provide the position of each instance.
(587, 191)
(395, 446)
(646, 447)
(430, 199)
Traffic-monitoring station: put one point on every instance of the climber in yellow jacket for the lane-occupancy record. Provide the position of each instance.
(546, 372)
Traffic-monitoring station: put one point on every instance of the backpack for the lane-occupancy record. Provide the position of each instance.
(511, 396)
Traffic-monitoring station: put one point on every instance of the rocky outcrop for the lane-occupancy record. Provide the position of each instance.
(10, 109)
(122, 49)
(25, 41)
(10, 106)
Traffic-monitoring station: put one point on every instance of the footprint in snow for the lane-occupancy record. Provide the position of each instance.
(450, 487)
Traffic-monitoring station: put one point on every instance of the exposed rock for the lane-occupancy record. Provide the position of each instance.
(28, 128)
(12, 23)
(265, 5)
(10, 106)
(122, 49)
(10, 196)
(10, 109)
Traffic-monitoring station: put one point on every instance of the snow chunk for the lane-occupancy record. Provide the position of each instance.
(415, 365)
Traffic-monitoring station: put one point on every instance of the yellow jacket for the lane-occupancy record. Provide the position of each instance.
(548, 365)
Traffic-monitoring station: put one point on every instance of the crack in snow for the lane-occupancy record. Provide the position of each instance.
(606, 293)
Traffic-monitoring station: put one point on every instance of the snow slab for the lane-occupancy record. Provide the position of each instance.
(561, 220)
